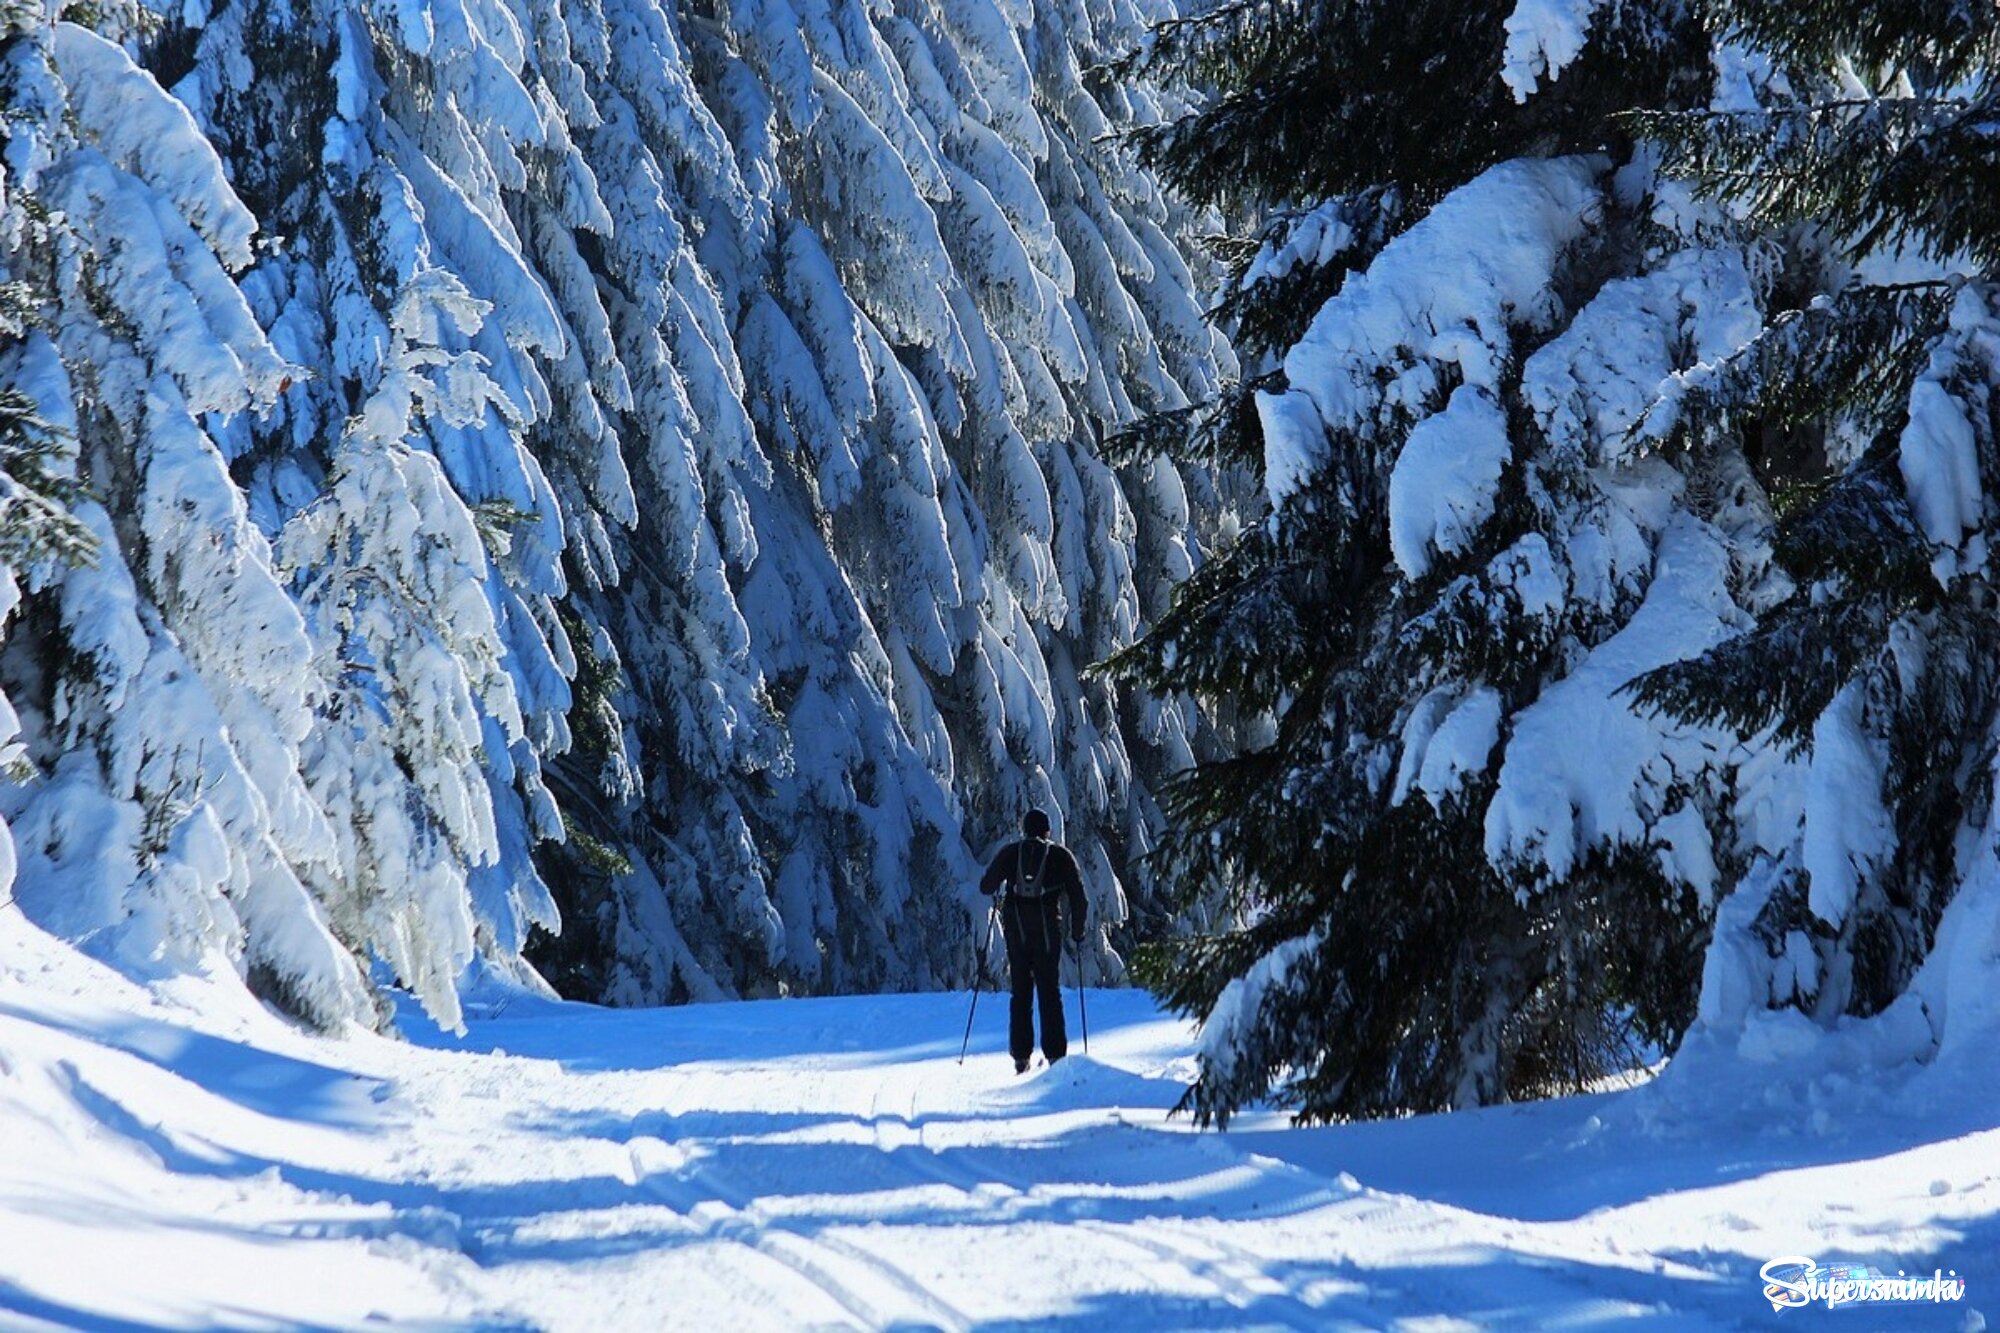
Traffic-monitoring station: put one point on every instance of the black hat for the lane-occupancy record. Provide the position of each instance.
(1035, 823)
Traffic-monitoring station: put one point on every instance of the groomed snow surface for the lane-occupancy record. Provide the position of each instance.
(177, 1157)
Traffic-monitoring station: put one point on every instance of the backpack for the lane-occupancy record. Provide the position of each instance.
(1035, 885)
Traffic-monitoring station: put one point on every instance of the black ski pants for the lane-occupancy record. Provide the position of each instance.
(1033, 931)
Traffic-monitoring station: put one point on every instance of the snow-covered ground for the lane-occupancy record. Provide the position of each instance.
(176, 1157)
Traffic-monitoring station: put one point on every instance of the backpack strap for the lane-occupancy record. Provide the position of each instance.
(1030, 885)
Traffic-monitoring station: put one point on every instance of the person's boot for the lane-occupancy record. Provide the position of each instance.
(1020, 1066)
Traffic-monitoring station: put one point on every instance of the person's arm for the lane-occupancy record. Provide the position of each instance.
(1079, 904)
(996, 874)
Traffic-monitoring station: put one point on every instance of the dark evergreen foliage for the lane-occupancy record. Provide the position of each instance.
(1916, 171)
(1221, 433)
(1848, 357)
(1266, 311)
(1316, 99)
(1884, 606)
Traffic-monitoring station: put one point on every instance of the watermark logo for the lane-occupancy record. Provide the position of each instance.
(1795, 1280)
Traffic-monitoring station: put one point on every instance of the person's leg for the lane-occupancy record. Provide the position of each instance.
(1021, 974)
(1048, 983)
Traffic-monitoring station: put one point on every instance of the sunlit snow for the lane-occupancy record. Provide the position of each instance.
(181, 1159)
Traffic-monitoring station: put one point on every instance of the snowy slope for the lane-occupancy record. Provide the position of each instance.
(178, 1158)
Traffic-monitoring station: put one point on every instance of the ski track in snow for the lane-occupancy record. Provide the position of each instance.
(179, 1159)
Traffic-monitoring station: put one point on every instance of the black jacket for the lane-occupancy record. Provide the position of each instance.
(1059, 874)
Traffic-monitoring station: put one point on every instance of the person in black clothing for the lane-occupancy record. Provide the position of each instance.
(1038, 874)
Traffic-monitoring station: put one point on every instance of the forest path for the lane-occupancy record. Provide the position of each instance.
(829, 1164)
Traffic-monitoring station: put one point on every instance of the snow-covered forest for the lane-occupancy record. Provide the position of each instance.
(1474, 517)
(625, 469)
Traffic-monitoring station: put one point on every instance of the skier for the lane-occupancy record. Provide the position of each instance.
(1036, 873)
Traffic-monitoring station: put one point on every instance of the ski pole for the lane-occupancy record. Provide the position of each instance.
(1081, 1011)
(978, 981)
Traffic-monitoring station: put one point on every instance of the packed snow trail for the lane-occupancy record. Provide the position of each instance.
(178, 1158)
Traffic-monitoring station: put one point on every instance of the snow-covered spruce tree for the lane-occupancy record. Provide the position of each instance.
(154, 670)
(1870, 128)
(418, 535)
(1464, 864)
